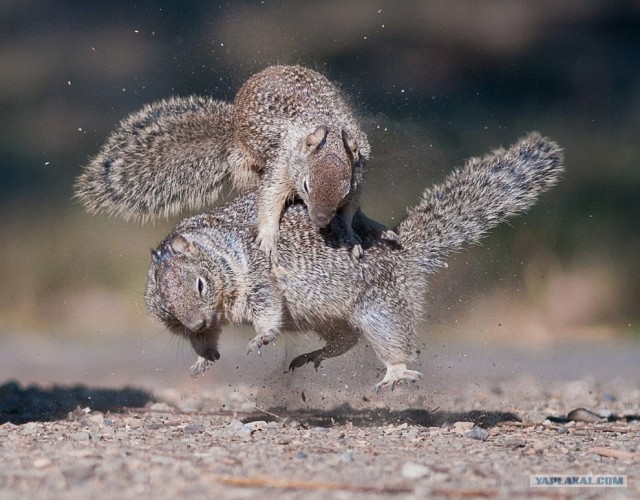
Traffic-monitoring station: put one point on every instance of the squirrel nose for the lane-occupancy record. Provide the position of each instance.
(198, 325)
(322, 219)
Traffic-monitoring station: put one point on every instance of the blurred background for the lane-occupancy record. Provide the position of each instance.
(434, 82)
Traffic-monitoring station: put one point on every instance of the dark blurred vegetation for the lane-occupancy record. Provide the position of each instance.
(434, 82)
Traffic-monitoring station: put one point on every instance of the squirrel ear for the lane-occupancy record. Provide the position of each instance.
(350, 144)
(180, 245)
(317, 138)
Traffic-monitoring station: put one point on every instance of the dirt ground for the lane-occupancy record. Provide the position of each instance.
(123, 420)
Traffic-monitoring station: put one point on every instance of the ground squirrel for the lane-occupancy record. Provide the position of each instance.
(289, 132)
(209, 271)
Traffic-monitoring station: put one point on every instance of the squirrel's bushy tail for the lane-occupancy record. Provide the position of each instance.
(169, 156)
(477, 197)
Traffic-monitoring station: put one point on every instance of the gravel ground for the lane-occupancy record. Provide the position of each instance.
(312, 435)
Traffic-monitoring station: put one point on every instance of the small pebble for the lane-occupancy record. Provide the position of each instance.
(538, 445)
(346, 456)
(438, 477)
(133, 423)
(79, 473)
(411, 470)
(96, 417)
(463, 426)
(82, 436)
(457, 470)
(30, 428)
(605, 414)
(235, 425)
(162, 407)
(41, 463)
(194, 428)
(256, 424)
(478, 433)
(251, 427)
(583, 415)
(513, 442)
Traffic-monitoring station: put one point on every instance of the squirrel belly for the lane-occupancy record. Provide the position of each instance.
(289, 133)
(210, 272)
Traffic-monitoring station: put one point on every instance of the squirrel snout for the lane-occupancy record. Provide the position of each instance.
(322, 219)
(199, 324)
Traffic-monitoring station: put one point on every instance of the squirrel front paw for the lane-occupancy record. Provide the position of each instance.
(357, 252)
(391, 236)
(268, 241)
(200, 366)
(336, 235)
(260, 340)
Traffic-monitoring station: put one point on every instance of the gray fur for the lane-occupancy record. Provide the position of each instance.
(289, 132)
(379, 298)
(165, 158)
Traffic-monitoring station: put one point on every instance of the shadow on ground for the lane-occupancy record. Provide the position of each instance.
(34, 404)
(382, 416)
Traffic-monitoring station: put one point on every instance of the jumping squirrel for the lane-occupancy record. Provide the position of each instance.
(289, 132)
(210, 272)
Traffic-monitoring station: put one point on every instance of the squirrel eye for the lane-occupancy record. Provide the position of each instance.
(202, 286)
(305, 186)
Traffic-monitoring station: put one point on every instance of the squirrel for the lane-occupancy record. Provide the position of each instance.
(288, 132)
(210, 272)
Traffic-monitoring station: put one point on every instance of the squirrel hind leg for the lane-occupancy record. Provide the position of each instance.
(316, 357)
(397, 372)
(338, 343)
(388, 324)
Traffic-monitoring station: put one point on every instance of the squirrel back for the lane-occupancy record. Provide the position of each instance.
(314, 288)
(286, 103)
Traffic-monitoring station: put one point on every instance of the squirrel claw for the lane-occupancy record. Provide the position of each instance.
(268, 241)
(391, 236)
(260, 340)
(254, 345)
(199, 367)
(357, 252)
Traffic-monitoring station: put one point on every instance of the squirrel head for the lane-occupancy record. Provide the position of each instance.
(325, 188)
(185, 295)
